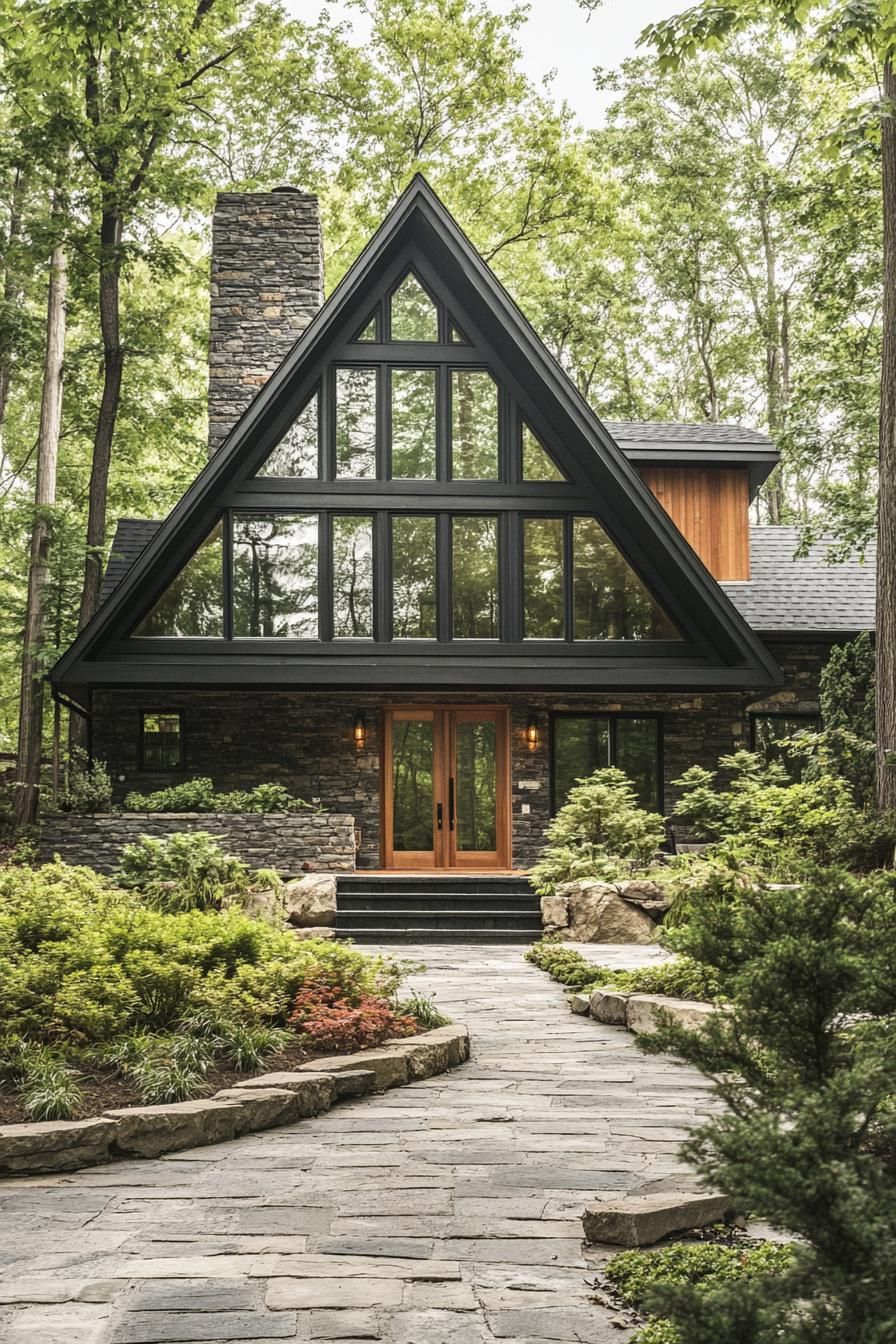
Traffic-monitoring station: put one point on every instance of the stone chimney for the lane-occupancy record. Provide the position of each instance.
(267, 284)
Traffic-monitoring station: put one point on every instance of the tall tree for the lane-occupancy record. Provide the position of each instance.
(31, 702)
(843, 37)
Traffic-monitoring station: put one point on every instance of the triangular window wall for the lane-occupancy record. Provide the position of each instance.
(538, 465)
(368, 332)
(413, 316)
(193, 605)
(297, 453)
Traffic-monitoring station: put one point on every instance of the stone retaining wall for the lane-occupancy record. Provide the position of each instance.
(290, 842)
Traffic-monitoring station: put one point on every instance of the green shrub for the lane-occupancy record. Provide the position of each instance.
(424, 1012)
(678, 978)
(89, 787)
(780, 825)
(188, 871)
(600, 832)
(199, 795)
(647, 1280)
(803, 1064)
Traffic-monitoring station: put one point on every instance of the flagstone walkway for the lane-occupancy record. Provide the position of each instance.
(447, 1212)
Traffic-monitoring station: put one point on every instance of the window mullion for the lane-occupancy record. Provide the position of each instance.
(325, 576)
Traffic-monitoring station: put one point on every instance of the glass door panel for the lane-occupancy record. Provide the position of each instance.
(412, 760)
(476, 785)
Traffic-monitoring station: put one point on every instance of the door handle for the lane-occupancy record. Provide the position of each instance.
(438, 816)
(451, 803)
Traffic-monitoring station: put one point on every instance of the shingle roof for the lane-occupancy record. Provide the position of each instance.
(657, 431)
(131, 536)
(784, 594)
(806, 593)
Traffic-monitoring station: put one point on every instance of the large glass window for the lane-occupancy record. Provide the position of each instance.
(296, 454)
(352, 577)
(583, 743)
(414, 424)
(193, 605)
(414, 315)
(356, 423)
(275, 575)
(474, 548)
(609, 599)
(538, 465)
(769, 733)
(543, 578)
(474, 426)
(413, 576)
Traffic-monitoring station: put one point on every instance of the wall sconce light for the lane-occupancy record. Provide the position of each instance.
(359, 732)
(532, 732)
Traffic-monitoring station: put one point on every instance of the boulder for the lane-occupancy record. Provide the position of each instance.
(149, 1131)
(642, 1220)
(310, 901)
(641, 891)
(262, 1107)
(265, 903)
(55, 1145)
(644, 1012)
(608, 1006)
(554, 913)
(578, 1003)
(598, 914)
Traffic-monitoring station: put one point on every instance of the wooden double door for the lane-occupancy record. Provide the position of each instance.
(446, 787)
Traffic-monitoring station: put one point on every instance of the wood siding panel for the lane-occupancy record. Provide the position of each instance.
(710, 506)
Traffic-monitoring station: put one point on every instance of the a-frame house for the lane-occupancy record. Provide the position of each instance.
(419, 580)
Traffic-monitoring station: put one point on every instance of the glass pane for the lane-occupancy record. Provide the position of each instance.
(477, 786)
(611, 602)
(414, 315)
(296, 453)
(637, 753)
(161, 742)
(474, 426)
(275, 575)
(414, 424)
(771, 730)
(412, 785)
(193, 605)
(474, 548)
(414, 577)
(456, 336)
(369, 332)
(356, 423)
(581, 746)
(353, 577)
(538, 465)
(543, 585)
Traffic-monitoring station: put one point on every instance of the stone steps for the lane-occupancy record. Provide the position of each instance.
(437, 909)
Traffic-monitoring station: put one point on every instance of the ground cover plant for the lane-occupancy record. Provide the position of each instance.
(680, 977)
(804, 1062)
(200, 795)
(106, 999)
(190, 871)
(647, 1280)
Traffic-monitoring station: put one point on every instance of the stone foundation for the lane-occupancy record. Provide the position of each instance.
(290, 842)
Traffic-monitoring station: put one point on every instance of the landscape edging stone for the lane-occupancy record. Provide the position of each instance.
(253, 1104)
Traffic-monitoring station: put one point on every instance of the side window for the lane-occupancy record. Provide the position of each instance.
(768, 733)
(161, 740)
(583, 743)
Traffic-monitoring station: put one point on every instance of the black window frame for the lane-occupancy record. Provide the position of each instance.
(812, 718)
(613, 716)
(147, 711)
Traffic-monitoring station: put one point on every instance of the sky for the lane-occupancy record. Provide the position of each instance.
(561, 36)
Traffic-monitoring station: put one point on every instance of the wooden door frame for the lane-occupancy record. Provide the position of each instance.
(441, 859)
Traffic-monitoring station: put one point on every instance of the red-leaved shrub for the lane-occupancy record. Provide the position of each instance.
(329, 1021)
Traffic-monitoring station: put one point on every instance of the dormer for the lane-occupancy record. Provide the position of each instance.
(705, 476)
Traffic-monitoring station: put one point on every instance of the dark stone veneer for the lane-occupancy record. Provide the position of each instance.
(305, 740)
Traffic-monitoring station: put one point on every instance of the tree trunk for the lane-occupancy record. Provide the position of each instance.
(886, 506)
(31, 705)
(113, 363)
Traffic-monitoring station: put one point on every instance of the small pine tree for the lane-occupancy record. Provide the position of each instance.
(804, 1062)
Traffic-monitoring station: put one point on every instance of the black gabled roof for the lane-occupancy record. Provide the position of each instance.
(702, 445)
(804, 594)
(132, 536)
(719, 648)
(706, 432)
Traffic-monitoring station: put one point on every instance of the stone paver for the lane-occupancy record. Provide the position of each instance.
(446, 1212)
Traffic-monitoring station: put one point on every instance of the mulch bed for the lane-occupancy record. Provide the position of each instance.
(106, 1091)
